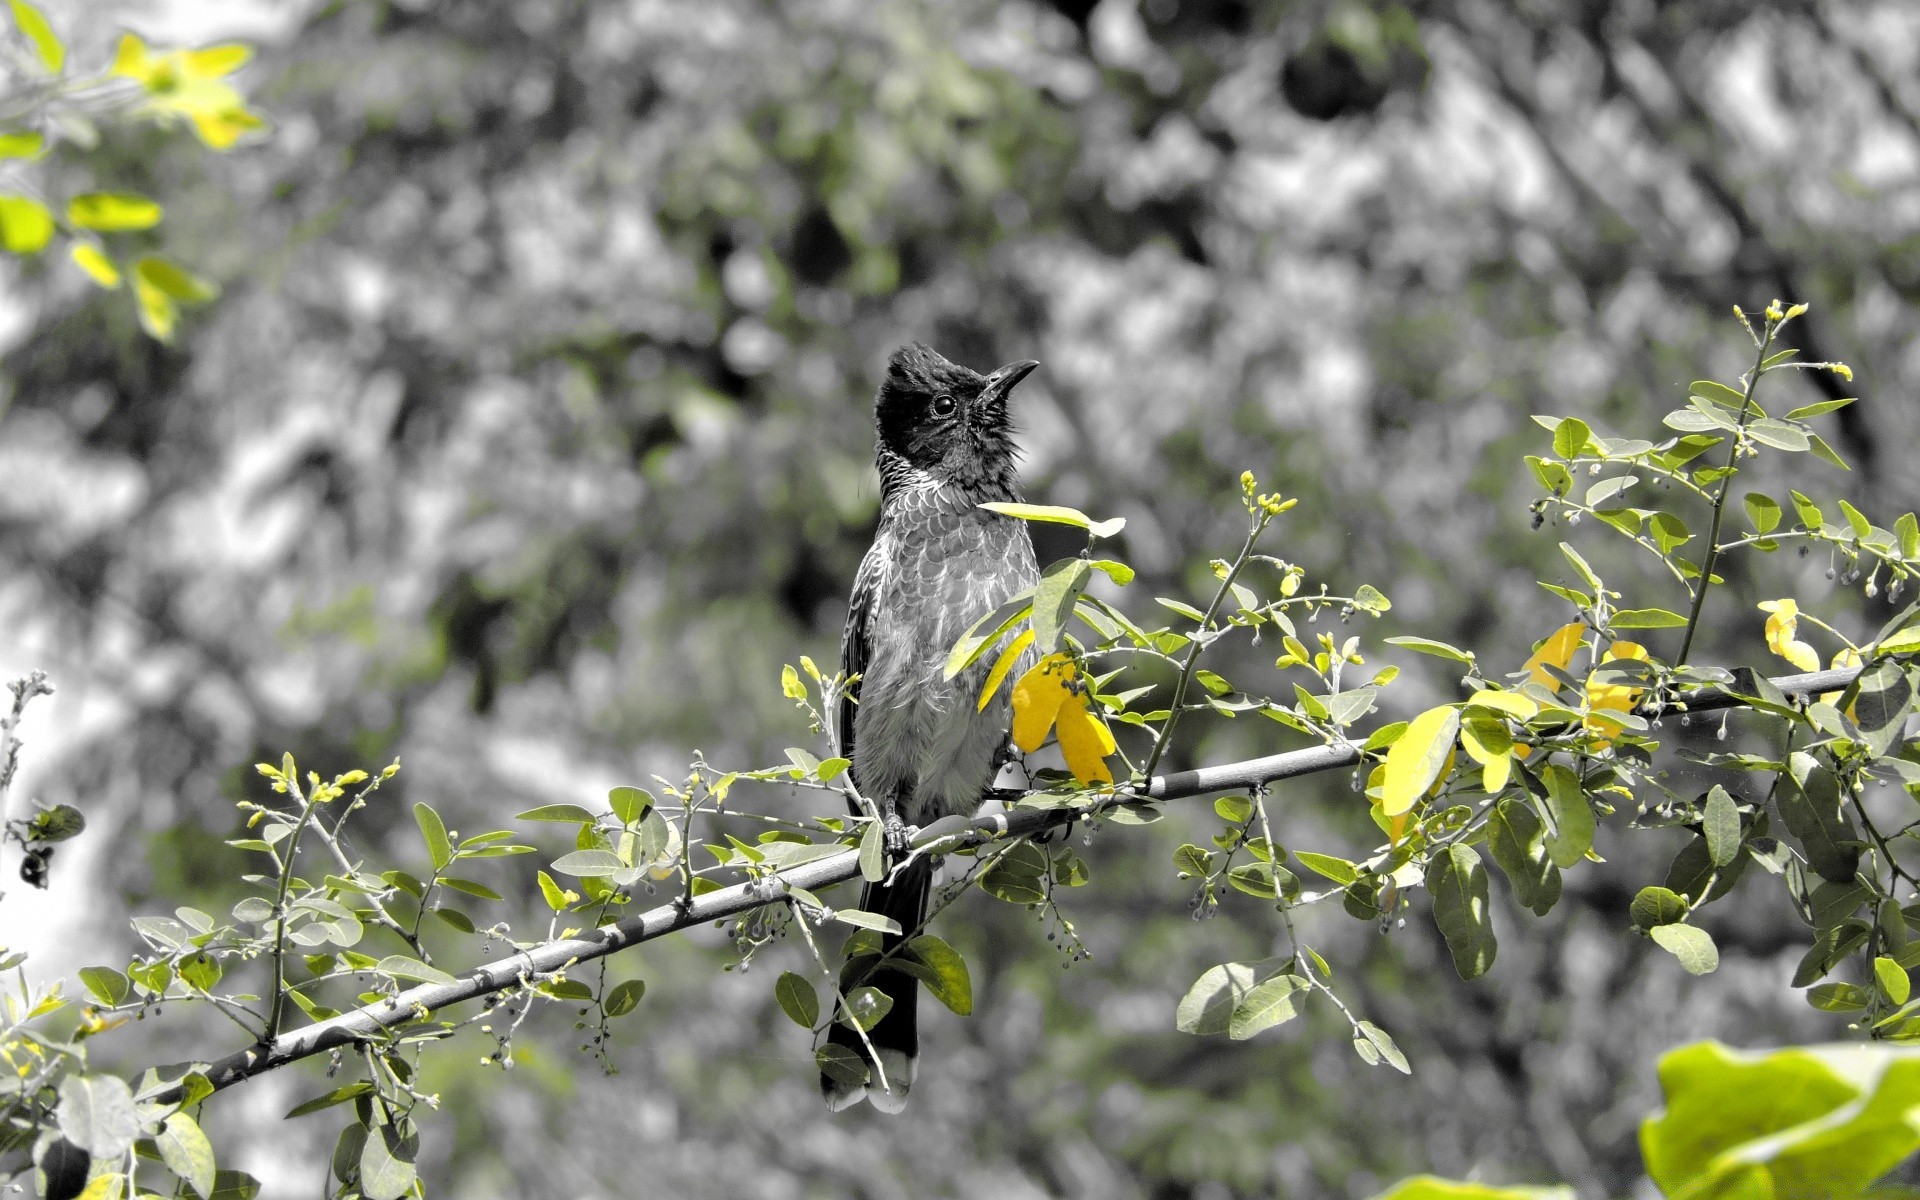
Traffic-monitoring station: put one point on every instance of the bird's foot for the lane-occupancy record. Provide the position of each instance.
(899, 835)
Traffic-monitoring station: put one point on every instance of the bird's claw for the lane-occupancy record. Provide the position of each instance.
(899, 835)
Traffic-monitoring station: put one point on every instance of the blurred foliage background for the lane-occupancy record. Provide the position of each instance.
(531, 435)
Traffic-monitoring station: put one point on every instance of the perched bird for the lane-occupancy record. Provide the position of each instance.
(921, 748)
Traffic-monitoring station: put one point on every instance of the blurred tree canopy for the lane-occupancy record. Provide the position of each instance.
(530, 435)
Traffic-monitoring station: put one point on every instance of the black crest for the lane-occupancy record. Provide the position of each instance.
(939, 419)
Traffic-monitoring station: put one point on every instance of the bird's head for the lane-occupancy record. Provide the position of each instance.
(943, 421)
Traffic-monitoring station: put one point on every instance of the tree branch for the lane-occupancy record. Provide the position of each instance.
(943, 836)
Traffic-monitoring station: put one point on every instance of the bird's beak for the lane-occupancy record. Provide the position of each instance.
(1001, 382)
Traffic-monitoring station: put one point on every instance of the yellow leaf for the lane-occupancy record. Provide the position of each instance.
(1085, 741)
(1037, 698)
(1612, 697)
(103, 1187)
(1488, 743)
(1002, 666)
(157, 311)
(89, 258)
(1513, 704)
(1418, 758)
(1557, 651)
(215, 61)
(130, 58)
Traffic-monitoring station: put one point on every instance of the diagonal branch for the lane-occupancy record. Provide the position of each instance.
(946, 836)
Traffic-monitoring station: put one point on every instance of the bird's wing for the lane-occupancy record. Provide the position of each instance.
(856, 644)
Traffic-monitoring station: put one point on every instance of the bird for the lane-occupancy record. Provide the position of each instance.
(920, 745)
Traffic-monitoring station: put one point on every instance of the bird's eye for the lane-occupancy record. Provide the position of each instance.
(943, 405)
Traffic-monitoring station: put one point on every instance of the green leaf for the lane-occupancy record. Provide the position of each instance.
(25, 225)
(434, 831)
(866, 920)
(106, 985)
(1580, 565)
(1429, 646)
(1803, 1124)
(558, 813)
(1571, 815)
(841, 1065)
(1763, 511)
(1209, 1005)
(1517, 839)
(470, 887)
(1669, 532)
(1655, 906)
(1721, 825)
(236, 1185)
(200, 971)
(46, 43)
(1714, 392)
(797, 999)
(986, 632)
(113, 212)
(1690, 944)
(865, 1007)
(1570, 438)
(589, 864)
(1119, 572)
(1811, 810)
(1826, 453)
(1907, 530)
(1893, 980)
(950, 983)
(386, 1164)
(873, 852)
(1339, 870)
(1647, 618)
(1779, 434)
(623, 997)
(1820, 409)
(1054, 596)
(96, 1113)
(339, 1095)
(1267, 1005)
(1058, 515)
(1458, 884)
(187, 1152)
(1383, 1046)
(1016, 874)
(1368, 598)
(1428, 1187)
(174, 281)
(630, 804)
(402, 967)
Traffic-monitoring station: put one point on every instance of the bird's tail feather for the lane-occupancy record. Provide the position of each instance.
(896, 1036)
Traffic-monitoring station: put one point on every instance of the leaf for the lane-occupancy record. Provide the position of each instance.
(1656, 906)
(1458, 884)
(1267, 1005)
(950, 983)
(1418, 758)
(1383, 1044)
(1690, 944)
(46, 43)
(589, 864)
(1779, 434)
(1812, 813)
(402, 967)
(985, 632)
(866, 920)
(113, 212)
(1085, 741)
(1570, 438)
(434, 831)
(235, 1185)
(1571, 834)
(386, 1164)
(630, 804)
(1054, 596)
(96, 1113)
(94, 261)
(25, 225)
(1763, 511)
(873, 852)
(1209, 1005)
(1429, 646)
(107, 985)
(841, 1065)
(1119, 572)
(558, 813)
(187, 1152)
(1002, 666)
(1058, 515)
(1339, 870)
(1368, 598)
(470, 887)
(1714, 392)
(1516, 838)
(797, 999)
(21, 144)
(1669, 532)
(339, 1095)
(1647, 618)
(1721, 826)
(623, 997)
(1820, 408)
(1427, 1187)
(865, 1007)
(174, 281)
